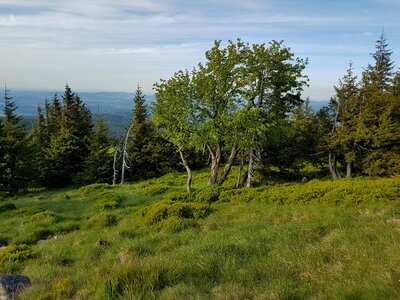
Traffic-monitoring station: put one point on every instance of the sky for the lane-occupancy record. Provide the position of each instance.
(113, 45)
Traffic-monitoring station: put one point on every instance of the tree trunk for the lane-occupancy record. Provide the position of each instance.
(215, 159)
(239, 174)
(189, 173)
(115, 171)
(229, 164)
(332, 166)
(250, 169)
(125, 155)
(349, 169)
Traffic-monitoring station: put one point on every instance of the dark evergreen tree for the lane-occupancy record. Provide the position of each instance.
(378, 123)
(141, 140)
(98, 164)
(71, 126)
(15, 154)
(343, 139)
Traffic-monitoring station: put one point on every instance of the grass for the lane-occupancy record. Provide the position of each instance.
(318, 240)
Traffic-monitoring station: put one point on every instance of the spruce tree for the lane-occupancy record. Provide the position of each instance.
(70, 126)
(14, 144)
(378, 123)
(140, 139)
(98, 164)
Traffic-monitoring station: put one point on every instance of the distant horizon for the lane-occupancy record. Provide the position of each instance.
(112, 46)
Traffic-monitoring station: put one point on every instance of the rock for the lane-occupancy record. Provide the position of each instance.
(11, 284)
(122, 258)
(304, 180)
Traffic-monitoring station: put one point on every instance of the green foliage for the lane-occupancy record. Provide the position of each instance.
(98, 163)
(59, 290)
(208, 195)
(6, 207)
(107, 200)
(163, 210)
(95, 187)
(100, 221)
(16, 253)
(178, 196)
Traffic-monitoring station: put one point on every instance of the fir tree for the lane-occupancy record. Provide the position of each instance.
(15, 152)
(140, 139)
(98, 164)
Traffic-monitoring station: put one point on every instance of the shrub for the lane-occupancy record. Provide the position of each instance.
(3, 195)
(163, 210)
(101, 220)
(95, 187)
(178, 196)
(156, 189)
(208, 195)
(16, 253)
(107, 200)
(8, 206)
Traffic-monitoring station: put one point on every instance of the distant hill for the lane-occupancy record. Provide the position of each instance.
(116, 107)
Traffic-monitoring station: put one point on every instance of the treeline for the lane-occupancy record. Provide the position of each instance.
(241, 107)
(70, 146)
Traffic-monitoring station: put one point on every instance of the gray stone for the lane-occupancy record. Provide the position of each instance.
(11, 284)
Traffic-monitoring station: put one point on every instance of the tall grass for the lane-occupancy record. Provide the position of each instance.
(319, 240)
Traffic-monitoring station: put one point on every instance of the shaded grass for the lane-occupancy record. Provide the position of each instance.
(251, 246)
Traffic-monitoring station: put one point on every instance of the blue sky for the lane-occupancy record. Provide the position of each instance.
(111, 45)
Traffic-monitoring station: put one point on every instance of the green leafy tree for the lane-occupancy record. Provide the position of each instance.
(174, 113)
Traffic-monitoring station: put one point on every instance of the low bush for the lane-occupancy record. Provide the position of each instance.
(3, 195)
(107, 200)
(156, 189)
(178, 196)
(6, 207)
(16, 253)
(100, 221)
(95, 187)
(208, 195)
(163, 210)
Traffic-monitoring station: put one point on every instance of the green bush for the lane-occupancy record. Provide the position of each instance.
(156, 189)
(178, 196)
(8, 206)
(3, 195)
(107, 200)
(16, 253)
(95, 187)
(100, 221)
(163, 210)
(208, 195)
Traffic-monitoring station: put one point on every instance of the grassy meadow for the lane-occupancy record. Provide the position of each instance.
(316, 240)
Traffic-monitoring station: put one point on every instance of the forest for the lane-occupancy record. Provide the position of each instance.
(242, 107)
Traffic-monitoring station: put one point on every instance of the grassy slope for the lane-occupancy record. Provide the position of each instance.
(330, 240)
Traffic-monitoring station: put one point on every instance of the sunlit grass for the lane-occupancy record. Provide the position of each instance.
(319, 240)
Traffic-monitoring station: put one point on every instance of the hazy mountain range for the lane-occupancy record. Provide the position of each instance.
(115, 106)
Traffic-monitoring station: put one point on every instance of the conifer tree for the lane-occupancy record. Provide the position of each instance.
(14, 144)
(98, 164)
(68, 144)
(140, 139)
(378, 124)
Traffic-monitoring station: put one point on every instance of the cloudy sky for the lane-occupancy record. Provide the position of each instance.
(111, 45)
